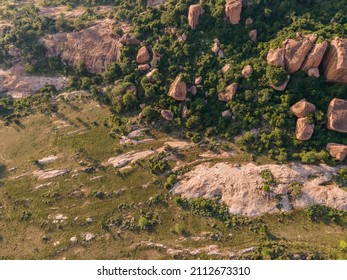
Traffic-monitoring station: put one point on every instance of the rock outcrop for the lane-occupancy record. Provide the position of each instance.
(144, 67)
(167, 115)
(337, 151)
(337, 115)
(304, 129)
(335, 61)
(184, 112)
(226, 114)
(315, 57)
(18, 83)
(97, 47)
(233, 9)
(198, 80)
(195, 11)
(142, 55)
(302, 108)
(228, 94)
(178, 89)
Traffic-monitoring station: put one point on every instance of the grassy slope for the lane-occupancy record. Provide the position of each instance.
(73, 196)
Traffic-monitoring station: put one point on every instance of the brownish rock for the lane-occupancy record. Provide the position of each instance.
(156, 57)
(143, 67)
(151, 75)
(249, 21)
(253, 34)
(142, 55)
(182, 38)
(226, 68)
(97, 47)
(233, 9)
(192, 90)
(228, 94)
(167, 115)
(178, 89)
(335, 61)
(195, 11)
(281, 87)
(304, 129)
(302, 108)
(215, 48)
(337, 151)
(226, 114)
(247, 71)
(337, 115)
(313, 72)
(184, 113)
(276, 57)
(315, 57)
(198, 80)
(295, 52)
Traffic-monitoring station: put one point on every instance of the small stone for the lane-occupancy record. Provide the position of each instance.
(73, 239)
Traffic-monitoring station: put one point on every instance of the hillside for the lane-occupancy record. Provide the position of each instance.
(209, 129)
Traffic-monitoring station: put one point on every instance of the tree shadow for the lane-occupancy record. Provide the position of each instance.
(3, 171)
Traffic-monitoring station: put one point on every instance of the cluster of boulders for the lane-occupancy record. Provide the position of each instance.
(96, 47)
(216, 48)
(304, 127)
(336, 120)
(307, 54)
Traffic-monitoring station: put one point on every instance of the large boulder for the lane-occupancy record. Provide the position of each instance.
(302, 108)
(295, 52)
(335, 61)
(233, 10)
(142, 56)
(337, 115)
(96, 47)
(337, 151)
(315, 57)
(304, 129)
(228, 94)
(178, 89)
(195, 11)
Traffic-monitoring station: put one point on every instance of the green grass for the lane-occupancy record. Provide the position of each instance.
(127, 196)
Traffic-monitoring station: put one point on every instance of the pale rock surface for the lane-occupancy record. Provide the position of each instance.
(241, 187)
(228, 94)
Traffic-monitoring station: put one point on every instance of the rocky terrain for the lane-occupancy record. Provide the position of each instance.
(173, 129)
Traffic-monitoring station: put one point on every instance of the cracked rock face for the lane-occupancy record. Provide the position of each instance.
(315, 57)
(233, 10)
(295, 52)
(337, 115)
(195, 11)
(335, 61)
(97, 47)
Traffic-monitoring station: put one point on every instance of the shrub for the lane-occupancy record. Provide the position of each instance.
(179, 229)
(340, 178)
